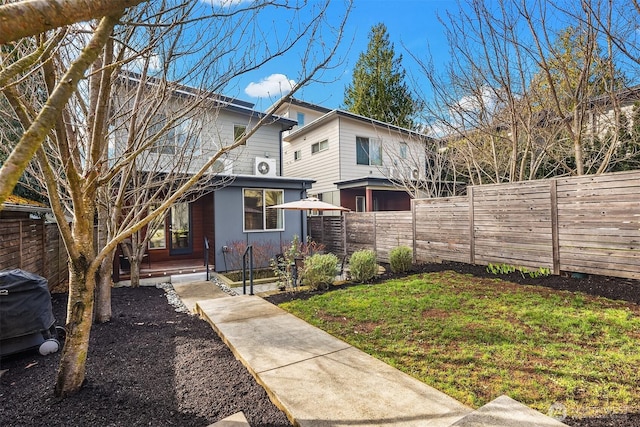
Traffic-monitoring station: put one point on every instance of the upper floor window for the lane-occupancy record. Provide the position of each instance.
(368, 152)
(297, 155)
(256, 215)
(300, 119)
(319, 146)
(238, 132)
(173, 138)
(403, 150)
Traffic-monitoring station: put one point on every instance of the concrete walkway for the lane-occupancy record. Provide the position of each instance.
(319, 380)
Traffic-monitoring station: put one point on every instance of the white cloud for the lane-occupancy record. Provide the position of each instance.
(470, 110)
(274, 85)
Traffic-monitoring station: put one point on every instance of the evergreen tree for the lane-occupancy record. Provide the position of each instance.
(378, 90)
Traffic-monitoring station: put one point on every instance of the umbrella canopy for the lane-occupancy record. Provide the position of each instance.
(309, 204)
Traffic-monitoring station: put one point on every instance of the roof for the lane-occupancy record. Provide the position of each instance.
(626, 94)
(304, 104)
(333, 114)
(366, 181)
(224, 102)
(16, 203)
(258, 180)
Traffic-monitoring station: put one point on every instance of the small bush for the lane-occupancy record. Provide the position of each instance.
(401, 259)
(320, 270)
(362, 265)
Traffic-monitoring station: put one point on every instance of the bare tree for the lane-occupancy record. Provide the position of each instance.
(76, 161)
(41, 125)
(516, 99)
(419, 165)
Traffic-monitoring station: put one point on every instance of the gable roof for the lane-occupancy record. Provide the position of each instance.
(333, 114)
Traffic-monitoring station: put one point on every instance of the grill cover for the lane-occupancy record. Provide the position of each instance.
(25, 304)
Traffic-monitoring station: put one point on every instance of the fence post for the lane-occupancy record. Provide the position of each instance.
(555, 238)
(413, 226)
(343, 223)
(472, 239)
(375, 234)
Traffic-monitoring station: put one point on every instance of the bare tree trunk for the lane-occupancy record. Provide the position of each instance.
(103, 290)
(103, 285)
(71, 372)
(135, 271)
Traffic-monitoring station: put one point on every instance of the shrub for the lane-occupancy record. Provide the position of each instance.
(362, 265)
(233, 250)
(401, 259)
(320, 270)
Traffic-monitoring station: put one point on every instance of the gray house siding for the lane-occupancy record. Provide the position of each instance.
(228, 218)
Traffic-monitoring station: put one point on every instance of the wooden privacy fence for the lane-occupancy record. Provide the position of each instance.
(588, 224)
(33, 246)
(328, 230)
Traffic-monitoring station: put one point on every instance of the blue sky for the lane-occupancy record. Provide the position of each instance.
(411, 24)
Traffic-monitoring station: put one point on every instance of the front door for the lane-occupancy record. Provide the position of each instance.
(180, 229)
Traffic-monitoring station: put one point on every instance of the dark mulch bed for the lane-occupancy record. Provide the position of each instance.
(153, 366)
(149, 366)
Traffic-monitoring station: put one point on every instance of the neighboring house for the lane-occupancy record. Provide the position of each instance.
(602, 110)
(234, 207)
(354, 161)
(302, 112)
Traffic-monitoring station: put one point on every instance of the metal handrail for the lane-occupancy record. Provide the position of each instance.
(206, 256)
(248, 251)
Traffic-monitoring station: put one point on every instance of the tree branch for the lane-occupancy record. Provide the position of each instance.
(31, 17)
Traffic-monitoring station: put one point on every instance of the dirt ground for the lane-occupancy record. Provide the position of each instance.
(154, 366)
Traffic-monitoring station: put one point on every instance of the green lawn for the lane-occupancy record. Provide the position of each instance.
(476, 339)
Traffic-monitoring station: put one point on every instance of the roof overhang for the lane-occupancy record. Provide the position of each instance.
(371, 182)
(11, 207)
(284, 182)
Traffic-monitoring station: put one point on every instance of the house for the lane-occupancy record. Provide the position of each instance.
(601, 115)
(354, 161)
(231, 208)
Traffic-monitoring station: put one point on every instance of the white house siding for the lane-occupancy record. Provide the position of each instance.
(350, 129)
(218, 131)
(323, 167)
(291, 112)
(214, 129)
(338, 163)
(605, 122)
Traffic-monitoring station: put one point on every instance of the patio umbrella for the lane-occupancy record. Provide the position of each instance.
(309, 204)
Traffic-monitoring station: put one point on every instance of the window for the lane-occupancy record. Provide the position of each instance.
(403, 150)
(300, 119)
(360, 204)
(297, 155)
(320, 146)
(368, 152)
(238, 132)
(163, 143)
(171, 140)
(256, 215)
(157, 239)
